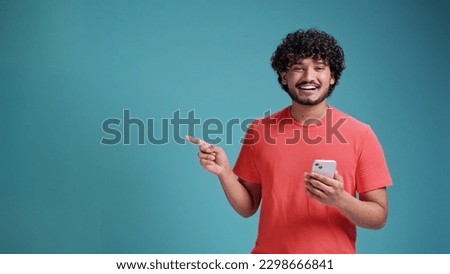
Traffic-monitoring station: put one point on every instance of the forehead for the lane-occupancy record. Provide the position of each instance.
(311, 60)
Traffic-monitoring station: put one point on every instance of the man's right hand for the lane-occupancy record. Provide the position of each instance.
(243, 196)
(212, 158)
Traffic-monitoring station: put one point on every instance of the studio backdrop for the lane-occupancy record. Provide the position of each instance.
(96, 97)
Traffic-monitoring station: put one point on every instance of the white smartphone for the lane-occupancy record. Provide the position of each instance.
(324, 167)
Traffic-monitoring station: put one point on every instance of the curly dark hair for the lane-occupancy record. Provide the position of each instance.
(305, 44)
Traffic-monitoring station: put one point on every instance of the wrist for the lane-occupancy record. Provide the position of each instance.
(225, 173)
(343, 202)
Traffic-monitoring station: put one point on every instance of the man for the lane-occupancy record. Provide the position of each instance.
(303, 211)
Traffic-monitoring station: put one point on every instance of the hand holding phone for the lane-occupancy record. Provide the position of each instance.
(324, 167)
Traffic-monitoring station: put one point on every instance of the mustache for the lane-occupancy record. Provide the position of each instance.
(301, 83)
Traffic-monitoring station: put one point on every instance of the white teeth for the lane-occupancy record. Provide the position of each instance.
(308, 87)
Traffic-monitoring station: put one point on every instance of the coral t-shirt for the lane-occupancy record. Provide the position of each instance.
(277, 151)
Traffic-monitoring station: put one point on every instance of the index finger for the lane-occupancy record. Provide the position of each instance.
(322, 178)
(194, 140)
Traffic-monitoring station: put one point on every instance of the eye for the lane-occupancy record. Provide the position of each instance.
(320, 68)
(297, 68)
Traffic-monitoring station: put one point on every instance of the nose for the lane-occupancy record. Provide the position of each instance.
(309, 74)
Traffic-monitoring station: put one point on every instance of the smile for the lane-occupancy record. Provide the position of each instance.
(308, 87)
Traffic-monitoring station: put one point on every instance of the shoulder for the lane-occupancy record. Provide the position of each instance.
(356, 132)
(260, 126)
(348, 121)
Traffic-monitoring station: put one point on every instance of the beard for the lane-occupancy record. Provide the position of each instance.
(308, 102)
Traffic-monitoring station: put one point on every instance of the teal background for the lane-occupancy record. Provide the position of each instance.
(65, 66)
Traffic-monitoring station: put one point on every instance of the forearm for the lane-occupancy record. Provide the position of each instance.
(238, 196)
(366, 214)
(244, 199)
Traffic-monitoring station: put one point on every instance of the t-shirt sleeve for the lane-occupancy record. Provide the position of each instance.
(245, 167)
(372, 172)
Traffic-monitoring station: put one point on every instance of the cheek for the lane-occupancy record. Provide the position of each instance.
(327, 79)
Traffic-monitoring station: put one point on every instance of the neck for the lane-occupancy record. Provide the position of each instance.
(307, 115)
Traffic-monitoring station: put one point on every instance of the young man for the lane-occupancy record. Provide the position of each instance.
(303, 211)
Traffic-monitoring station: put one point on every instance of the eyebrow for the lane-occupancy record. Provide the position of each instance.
(318, 62)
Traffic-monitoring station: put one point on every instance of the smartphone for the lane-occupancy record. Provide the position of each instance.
(324, 167)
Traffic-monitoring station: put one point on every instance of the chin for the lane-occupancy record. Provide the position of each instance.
(310, 102)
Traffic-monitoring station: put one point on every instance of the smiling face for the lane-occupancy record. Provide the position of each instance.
(308, 81)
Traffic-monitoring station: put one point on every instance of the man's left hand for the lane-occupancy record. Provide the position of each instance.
(325, 189)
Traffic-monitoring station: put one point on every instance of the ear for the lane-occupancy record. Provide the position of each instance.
(283, 77)
(332, 80)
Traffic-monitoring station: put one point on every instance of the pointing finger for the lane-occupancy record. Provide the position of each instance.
(194, 140)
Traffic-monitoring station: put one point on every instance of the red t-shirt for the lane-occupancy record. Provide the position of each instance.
(276, 153)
